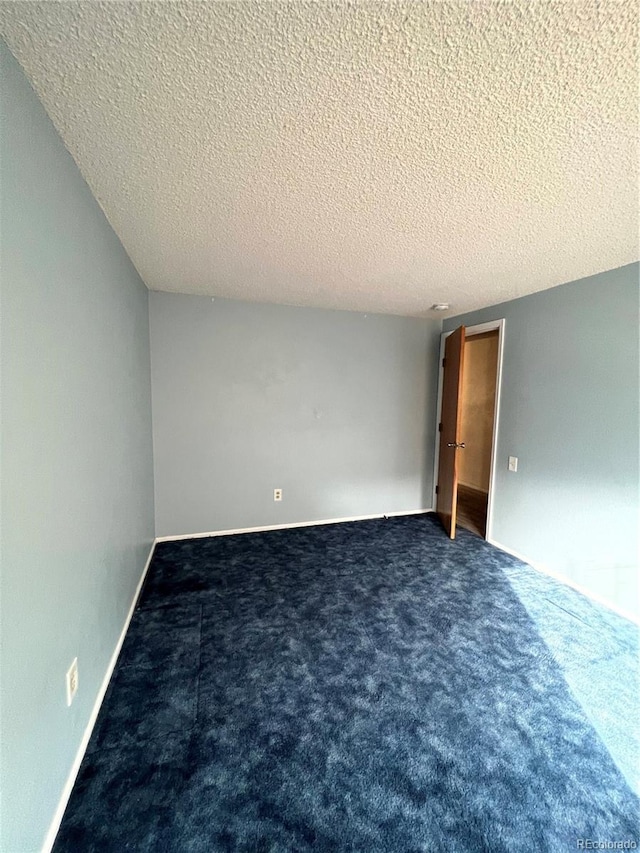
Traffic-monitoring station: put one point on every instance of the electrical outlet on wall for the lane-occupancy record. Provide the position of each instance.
(72, 681)
(277, 494)
(513, 463)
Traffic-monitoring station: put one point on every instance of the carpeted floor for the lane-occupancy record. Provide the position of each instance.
(358, 687)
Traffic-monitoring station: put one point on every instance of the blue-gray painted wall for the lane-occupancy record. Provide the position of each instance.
(77, 472)
(335, 408)
(569, 412)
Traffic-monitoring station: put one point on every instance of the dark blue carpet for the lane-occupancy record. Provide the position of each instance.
(356, 687)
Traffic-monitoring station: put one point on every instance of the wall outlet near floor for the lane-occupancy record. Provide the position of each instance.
(277, 494)
(72, 681)
(513, 463)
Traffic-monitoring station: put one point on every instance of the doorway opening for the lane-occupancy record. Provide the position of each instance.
(477, 406)
(468, 403)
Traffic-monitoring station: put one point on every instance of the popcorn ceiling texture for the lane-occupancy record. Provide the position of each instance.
(373, 157)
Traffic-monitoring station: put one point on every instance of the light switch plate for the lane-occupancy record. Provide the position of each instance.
(513, 463)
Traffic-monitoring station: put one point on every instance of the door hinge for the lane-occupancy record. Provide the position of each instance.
(437, 490)
(444, 360)
(440, 427)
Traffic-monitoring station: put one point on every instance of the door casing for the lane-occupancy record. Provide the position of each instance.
(470, 331)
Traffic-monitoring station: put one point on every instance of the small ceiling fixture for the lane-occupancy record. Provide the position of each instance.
(440, 306)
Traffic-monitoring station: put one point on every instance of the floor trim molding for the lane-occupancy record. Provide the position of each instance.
(267, 527)
(545, 570)
(75, 767)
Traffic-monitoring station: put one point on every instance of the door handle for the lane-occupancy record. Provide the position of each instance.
(455, 444)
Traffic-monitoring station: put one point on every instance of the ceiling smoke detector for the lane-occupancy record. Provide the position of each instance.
(440, 306)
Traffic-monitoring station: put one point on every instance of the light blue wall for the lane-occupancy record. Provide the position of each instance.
(335, 408)
(569, 412)
(77, 473)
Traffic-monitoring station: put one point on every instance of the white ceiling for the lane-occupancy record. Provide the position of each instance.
(367, 156)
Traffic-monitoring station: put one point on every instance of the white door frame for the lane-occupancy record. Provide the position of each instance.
(471, 331)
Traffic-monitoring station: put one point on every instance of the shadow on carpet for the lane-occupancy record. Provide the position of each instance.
(369, 686)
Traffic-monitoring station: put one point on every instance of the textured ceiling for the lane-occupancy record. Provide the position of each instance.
(368, 156)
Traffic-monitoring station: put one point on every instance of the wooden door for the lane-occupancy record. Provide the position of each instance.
(450, 441)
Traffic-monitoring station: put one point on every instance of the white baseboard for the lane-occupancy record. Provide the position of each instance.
(516, 554)
(545, 570)
(75, 767)
(268, 527)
